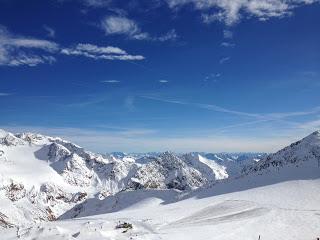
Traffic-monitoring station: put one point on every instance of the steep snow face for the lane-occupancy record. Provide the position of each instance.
(305, 153)
(24, 172)
(209, 168)
(22, 164)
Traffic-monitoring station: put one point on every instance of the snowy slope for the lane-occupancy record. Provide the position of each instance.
(286, 210)
(165, 196)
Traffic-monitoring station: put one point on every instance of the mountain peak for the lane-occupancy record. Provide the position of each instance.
(3, 133)
(315, 136)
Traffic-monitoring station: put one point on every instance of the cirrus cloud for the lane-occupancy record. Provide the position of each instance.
(121, 25)
(231, 12)
(18, 50)
(96, 52)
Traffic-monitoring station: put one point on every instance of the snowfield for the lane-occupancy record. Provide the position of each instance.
(53, 189)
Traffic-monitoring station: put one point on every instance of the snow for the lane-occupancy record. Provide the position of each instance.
(164, 196)
(219, 170)
(23, 169)
(286, 210)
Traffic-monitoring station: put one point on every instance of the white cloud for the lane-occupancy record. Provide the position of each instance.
(227, 44)
(120, 25)
(92, 3)
(213, 76)
(232, 11)
(310, 125)
(110, 81)
(18, 50)
(264, 117)
(209, 107)
(169, 36)
(90, 48)
(163, 81)
(227, 34)
(224, 59)
(96, 52)
(30, 60)
(96, 3)
(50, 31)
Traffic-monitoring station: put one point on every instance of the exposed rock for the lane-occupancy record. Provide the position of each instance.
(4, 221)
(15, 191)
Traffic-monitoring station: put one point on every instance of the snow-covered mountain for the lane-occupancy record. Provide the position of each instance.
(277, 201)
(233, 163)
(54, 175)
(45, 178)
(301, 154)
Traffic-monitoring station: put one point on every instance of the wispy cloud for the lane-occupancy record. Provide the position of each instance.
(310, 125)
(271, 125)
(231, 12)
(110, 81)
(113, 25)
(92, 3)
(96, 3)
(228, 44)
(210, 107)
(18, 50)
(129, 103)
(93, 49)
(228, 34)
(96, 52)
(50, 31)
(3, 94)
(163, 81)
(257, 116)
(213, 76)
(224, 60)
(121, 25)
(169, 36)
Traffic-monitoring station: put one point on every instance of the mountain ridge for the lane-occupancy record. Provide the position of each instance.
(68, 175)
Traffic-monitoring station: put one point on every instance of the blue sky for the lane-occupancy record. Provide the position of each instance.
(154, 75)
